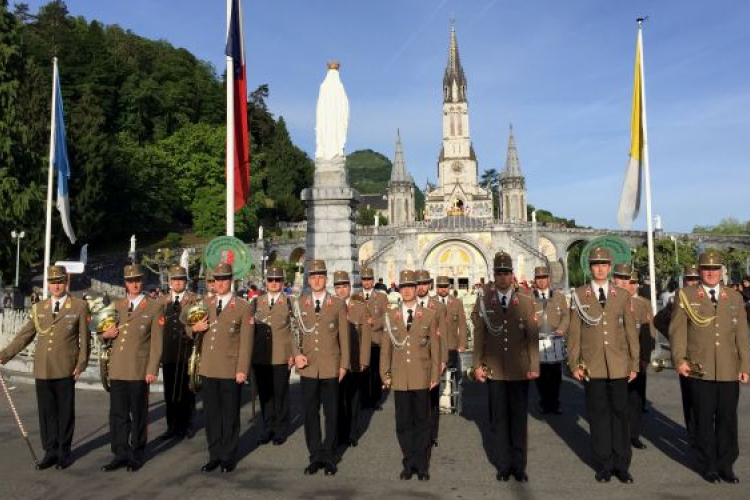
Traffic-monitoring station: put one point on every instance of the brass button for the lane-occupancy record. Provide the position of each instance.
(606, 343)
(717, 343)
(604, 322)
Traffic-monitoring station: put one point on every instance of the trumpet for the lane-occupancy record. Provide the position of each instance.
(584, 369)
(101, 321)
(471, 372)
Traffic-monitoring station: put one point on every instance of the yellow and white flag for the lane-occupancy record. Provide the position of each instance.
(630, 199)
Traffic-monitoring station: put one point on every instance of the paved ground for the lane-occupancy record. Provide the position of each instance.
(558, 458)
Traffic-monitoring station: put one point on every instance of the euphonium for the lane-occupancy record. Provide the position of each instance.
(101, 321)
(195, 314)
(471, 375)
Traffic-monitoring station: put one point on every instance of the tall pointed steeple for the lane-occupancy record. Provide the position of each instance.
(398, 173)
(512, 164)
(454, 81)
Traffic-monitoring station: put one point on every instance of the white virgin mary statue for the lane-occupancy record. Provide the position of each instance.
(332, 118)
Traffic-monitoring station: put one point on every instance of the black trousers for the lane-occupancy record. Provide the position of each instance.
(454, 361)
(221, 404)
(350, 402)
(317, 392)
(509, 410)
(128, 418)
(374, 391)
(434, 413)
(178, 398)
(273, 393)
(687, 407)
(413, 428)
(636, 402)
(548, 386)
(56, 401)
(715, 412)
(607, 404)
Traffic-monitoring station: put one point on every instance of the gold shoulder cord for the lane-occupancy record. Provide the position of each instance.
(697, 319)
(35, 319)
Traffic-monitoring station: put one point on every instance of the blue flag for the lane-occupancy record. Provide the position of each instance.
(62, 165)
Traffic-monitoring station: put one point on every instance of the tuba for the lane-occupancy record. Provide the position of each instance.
(195, 314)
(101, 321)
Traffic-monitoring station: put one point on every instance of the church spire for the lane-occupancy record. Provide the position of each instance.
(454, 81)
(399, 174)
(512, 164)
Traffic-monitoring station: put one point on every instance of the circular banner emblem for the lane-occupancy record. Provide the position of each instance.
(229, 250)
(617, 246)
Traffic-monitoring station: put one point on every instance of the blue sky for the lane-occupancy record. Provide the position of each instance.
(561, 72)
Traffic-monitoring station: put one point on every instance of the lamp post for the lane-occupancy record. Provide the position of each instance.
(17, 235)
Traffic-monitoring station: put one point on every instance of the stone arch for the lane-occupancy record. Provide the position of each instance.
(460, 258)
(297, 256)
(366, 250)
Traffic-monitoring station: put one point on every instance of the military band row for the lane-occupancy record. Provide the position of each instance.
(348, 347)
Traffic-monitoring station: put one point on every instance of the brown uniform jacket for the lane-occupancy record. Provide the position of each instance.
(610, 348)
(455, 323)
(137, 349)
(509, 345)
(273, 330)
(359, 334)
(644, 317)
(721, 346)
(415, 362)
(377, 305)
(227, 345)
(177, 345)
(326, 343)
(63, 344)
(441, 311)
(556, 315)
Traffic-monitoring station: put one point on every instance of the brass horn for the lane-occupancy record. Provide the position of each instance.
(101, 321)
(659, 364)
(585, 369)
(195, 314)
(471, 372)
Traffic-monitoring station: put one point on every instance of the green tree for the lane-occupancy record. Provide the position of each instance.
(730, 225)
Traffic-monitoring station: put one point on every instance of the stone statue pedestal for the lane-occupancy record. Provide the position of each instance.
(331, 227)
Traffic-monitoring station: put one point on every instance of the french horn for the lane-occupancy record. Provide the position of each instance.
(195, 314)
(101, 321)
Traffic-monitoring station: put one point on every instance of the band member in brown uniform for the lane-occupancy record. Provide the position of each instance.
(321, 356)
(553, 316)
(455, 324)
(424, 285)
(133, 366)
(178, 398)
(377, 304)
(709, 336)
(61, 355)
(226, 351)
(272, 356)
(625, 278)
(410, 367)
(690, 276)
(506, 356)
(354, 383)
(603, 347)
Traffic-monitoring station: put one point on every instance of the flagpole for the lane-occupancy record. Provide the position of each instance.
(647, 173)
(230, 132)
(50, 179)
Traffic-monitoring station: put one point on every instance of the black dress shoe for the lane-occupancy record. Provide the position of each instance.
(313, 468)
(211, 465)
(189, 432)
(63, 463)
(557, 411)
(227, 467)
(603, 476)
(729, 477)
(712, 477)
(265, 439)
(406, 474)
(278, 441)
(423, 476)
(638, 444)
(434, 443)
(520, 476)
(624, 477)
(134, 465)
(167, 435)
(47, 462)
(353, 443)
(331, 469)
(503, 475)
(114, 465)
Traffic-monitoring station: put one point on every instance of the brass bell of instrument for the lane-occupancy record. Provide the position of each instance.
(585, 369)
(196, 313)
(104, 319)
(471, 372)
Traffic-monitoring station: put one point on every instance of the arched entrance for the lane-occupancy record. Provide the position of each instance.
(462, 262)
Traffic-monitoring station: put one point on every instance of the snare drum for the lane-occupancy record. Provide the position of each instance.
(551, 348)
